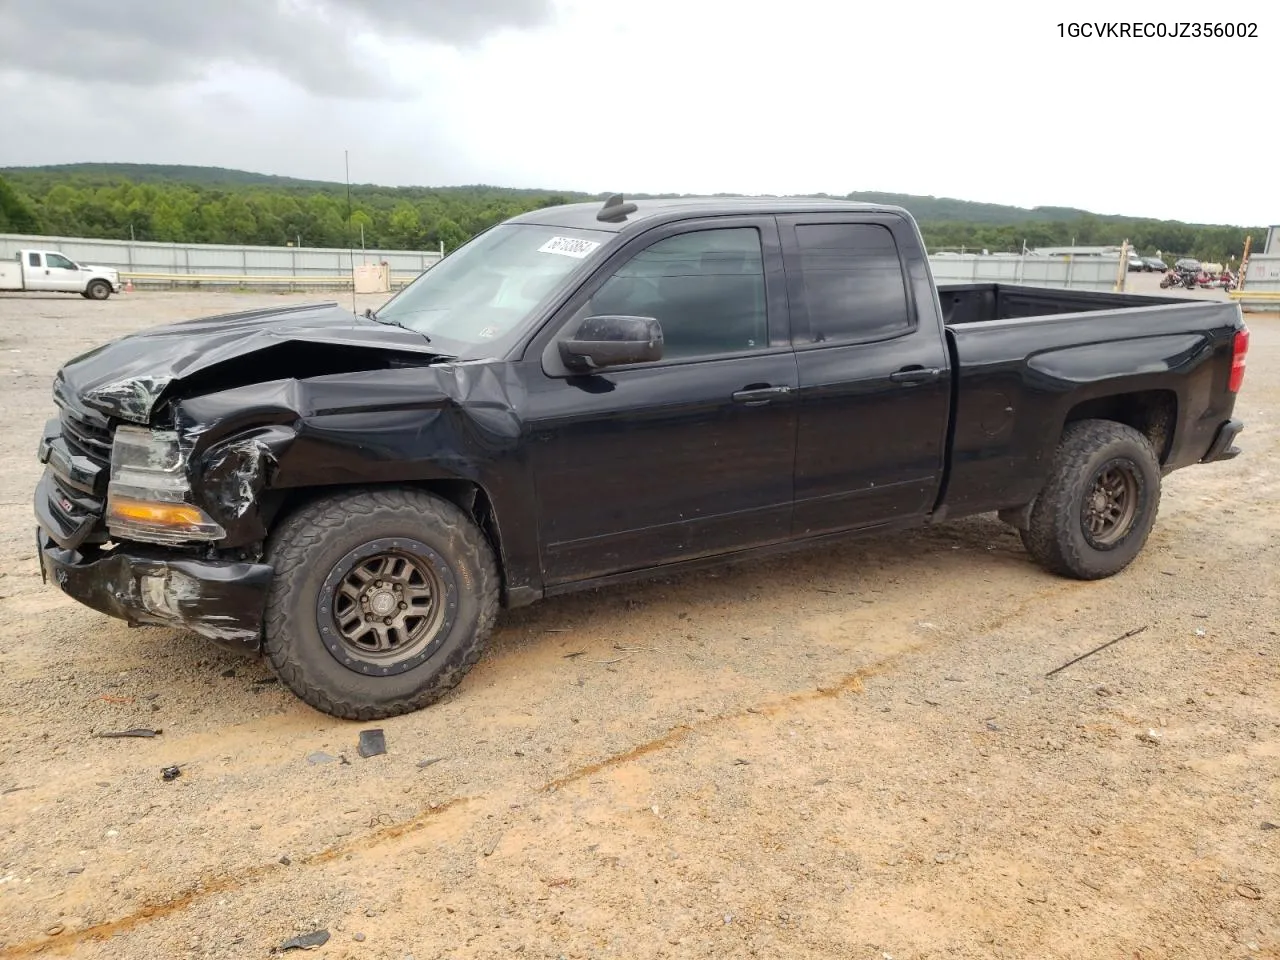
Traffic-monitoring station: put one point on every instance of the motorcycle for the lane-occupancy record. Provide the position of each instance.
(1178, 278)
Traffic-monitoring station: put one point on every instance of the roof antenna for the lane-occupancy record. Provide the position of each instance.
(615, 210)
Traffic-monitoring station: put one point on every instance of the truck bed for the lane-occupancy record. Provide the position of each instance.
(1028, 360)
(979, 302)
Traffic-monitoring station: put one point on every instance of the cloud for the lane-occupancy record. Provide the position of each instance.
(320, 45)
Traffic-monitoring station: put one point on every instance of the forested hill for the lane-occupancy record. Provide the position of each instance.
(219, 205)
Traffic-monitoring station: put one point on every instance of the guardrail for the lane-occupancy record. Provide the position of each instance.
(1263, 300)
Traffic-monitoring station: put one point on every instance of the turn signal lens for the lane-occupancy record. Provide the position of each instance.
(160, 522)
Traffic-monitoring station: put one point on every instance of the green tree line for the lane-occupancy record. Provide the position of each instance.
(278, 212)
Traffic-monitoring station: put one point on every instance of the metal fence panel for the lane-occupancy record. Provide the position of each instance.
(1076, 273)
(196, 259)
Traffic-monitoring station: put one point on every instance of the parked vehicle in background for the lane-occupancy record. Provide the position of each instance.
(1155, 263)
(1136, 262)
(1188, 265)
(48, 271)
(585, 395)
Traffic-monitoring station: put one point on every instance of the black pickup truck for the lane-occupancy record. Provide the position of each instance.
(585, 394)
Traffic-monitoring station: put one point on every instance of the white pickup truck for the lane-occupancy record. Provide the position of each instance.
(52, 272)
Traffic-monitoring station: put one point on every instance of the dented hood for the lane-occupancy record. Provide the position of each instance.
(130, 377)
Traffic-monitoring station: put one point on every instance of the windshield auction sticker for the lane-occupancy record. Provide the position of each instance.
(569, 247)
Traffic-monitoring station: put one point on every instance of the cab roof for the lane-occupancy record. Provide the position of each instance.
(651, 212)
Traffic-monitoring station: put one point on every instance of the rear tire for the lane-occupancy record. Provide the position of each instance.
(98, 290)
(1099, 504)
(381, 602)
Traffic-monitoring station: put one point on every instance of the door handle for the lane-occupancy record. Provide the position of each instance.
(910, 375)
(759, 396)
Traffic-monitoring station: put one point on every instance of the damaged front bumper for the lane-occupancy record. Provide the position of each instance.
(223, 601)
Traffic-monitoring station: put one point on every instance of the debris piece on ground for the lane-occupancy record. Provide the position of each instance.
(358, 937)
(1124, 636)
(171, 773)
(1268, 825)
(1151, 736)
(428, 761)
(285, 860)
(372, 743)
(229, 672)
(56, 929)
(320, 757)
(1248, 891)
(307, 941)
(492, 844)
(135, 732)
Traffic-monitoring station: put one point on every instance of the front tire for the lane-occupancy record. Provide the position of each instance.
(381, 602)
(1099, 504)
(97, 290)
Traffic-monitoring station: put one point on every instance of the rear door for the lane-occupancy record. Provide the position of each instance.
(35, 274)
(874, 379)
(686, 457)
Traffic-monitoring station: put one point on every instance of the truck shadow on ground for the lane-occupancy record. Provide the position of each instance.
(845, 568)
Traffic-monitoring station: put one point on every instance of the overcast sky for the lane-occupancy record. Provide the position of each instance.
(690, 96)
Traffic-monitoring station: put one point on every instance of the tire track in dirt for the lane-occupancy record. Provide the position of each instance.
(849, 683)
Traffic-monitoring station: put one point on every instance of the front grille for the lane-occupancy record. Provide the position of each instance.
(86, 436)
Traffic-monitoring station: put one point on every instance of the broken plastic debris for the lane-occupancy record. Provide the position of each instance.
(372, 743)
(307, 941)
(320, 757)
(428, 761)
(135, 732)
(171, 773)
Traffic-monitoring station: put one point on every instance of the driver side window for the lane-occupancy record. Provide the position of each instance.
(705, 288)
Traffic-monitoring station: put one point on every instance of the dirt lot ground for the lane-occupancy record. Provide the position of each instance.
(848, 753)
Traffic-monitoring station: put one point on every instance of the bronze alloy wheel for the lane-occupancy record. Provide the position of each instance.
(1110, 504)
(385, 606)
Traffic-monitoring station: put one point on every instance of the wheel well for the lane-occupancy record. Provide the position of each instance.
(1152, 413)
(467, 496)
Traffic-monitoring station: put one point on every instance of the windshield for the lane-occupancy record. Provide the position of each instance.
(490, 285)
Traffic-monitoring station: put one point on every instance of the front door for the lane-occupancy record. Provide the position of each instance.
(874, 381)
(62, 274)
(686, 457)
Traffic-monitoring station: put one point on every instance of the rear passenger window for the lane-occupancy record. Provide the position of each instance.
(706, 289)
(33, 259)
(853, 282)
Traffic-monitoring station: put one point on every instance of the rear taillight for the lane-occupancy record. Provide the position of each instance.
(1239, 347)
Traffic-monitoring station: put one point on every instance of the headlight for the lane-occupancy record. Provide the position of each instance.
(149, 494)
